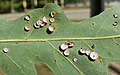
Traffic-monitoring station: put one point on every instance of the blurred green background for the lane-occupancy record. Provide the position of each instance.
(7, 6)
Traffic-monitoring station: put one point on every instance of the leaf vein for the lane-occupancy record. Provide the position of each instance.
(14, 63)
(66, 58)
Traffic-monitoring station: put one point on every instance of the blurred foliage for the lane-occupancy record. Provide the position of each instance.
(17, 5)
(4, 6)
(41, 3)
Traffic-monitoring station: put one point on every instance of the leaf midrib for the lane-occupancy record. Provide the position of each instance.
(58, 39)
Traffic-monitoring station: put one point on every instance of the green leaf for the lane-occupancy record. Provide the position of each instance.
(37, 46)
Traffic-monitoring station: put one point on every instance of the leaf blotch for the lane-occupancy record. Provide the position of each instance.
(2, 72)
(43, 69)
(114, 68)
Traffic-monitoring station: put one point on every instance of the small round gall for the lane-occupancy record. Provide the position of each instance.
(51, 28)
(40, 23)
(66, 52)
(94, 55)
(63, 46)
(115, 23)
(82, 51)
(87, 52)
(5, 50)
(27, 28)
(36, 26)
(52, 20)
(44, 19)
(52, 14)
(70, 44)
(75, 59)
(27, 18)
(115, 16)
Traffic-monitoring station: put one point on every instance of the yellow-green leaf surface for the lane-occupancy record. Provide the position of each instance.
(38, 46)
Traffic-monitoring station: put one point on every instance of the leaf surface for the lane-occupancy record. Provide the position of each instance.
(37, 46)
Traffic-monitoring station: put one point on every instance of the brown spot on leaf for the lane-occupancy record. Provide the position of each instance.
(110, 53)
(43, 69)
(114, 68)
(2, 72)
(100, 59)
